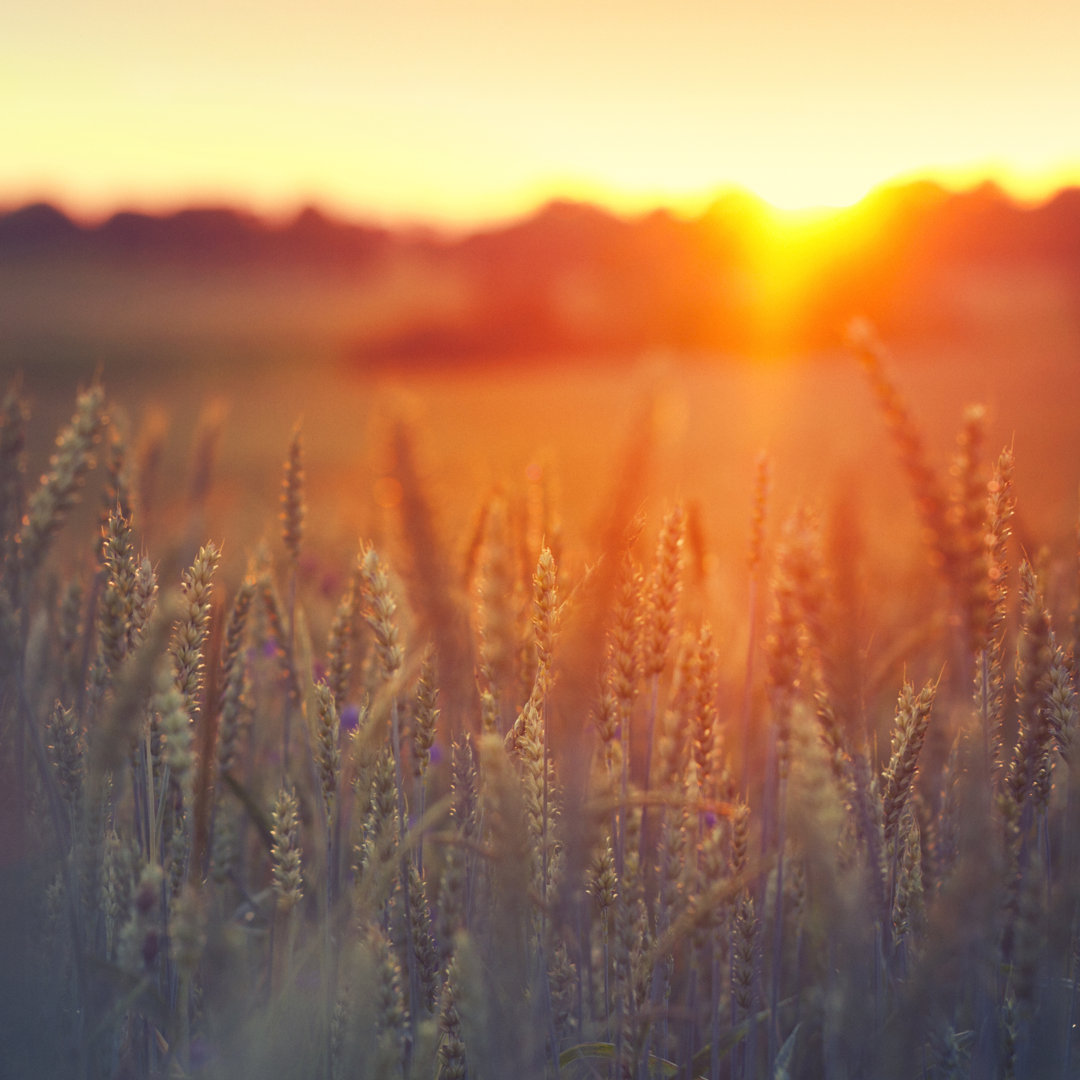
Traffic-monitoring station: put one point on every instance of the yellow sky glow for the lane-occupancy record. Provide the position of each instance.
(475, 111)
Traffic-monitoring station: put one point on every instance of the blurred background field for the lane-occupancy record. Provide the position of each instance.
(217, 318)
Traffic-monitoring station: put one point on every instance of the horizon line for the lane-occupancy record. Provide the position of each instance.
(627, 208)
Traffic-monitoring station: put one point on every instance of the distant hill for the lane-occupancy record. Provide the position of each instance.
(576, 278)
(199, 235)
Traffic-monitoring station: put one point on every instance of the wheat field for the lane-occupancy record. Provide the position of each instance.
(532, 781)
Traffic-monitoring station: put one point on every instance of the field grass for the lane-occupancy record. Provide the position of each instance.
(517, 726)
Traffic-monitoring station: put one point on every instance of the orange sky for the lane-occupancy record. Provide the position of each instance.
(462, 111)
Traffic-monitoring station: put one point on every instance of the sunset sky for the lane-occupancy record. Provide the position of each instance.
(474, 110)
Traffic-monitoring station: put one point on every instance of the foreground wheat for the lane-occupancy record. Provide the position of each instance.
(391, 845)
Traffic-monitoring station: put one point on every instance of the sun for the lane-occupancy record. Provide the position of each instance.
(809, 185)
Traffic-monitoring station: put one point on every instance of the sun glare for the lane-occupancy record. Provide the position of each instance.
(797, 193)
(785, 253)
(792, 196)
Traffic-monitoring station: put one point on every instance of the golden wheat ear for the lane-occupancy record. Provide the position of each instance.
(59, 487)
(293, 510)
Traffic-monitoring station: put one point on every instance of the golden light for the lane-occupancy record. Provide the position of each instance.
(786, 255)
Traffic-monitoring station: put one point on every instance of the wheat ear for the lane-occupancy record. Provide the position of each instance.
(59, 487)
